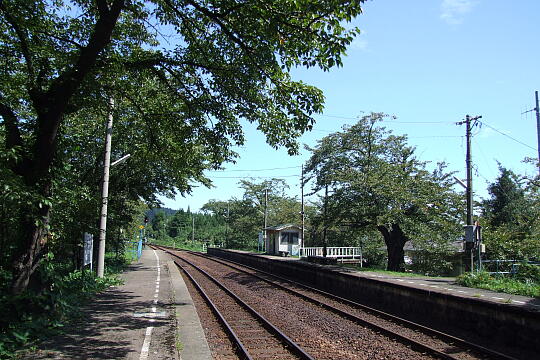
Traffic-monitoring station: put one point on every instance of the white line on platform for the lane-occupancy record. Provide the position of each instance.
(148, 335)
(146, 343)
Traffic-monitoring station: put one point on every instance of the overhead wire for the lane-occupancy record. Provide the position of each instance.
(269, 169)
(508, 136)
(253, 177)
(486, 161)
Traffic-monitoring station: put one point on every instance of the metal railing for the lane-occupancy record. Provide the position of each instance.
(135, 248)
(332, 252)
(505, 266)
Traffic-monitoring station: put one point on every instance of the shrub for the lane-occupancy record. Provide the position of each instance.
(528, 273)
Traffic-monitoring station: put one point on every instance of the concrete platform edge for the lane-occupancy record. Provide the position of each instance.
(191, 341)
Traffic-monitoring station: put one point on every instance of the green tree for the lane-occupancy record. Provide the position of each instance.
(159, 223)
(280, 208)
(507, 200)
(226, 60)
(244, 218)
(376, 182)
(512, 213)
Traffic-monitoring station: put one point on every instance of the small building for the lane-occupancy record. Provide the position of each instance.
(283, 240)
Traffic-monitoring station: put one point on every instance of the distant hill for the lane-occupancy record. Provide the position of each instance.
(152, 212)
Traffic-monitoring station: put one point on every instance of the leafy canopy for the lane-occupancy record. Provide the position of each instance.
(375, 182)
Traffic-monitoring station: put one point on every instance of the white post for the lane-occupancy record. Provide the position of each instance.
(105, 193)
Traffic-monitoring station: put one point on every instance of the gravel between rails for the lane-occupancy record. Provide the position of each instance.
(260, 343)
(457, 350)
(321, 333)
(220, 345)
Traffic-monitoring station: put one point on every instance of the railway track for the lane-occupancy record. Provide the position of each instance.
(254, 336)
(419, 338)
(350, 309)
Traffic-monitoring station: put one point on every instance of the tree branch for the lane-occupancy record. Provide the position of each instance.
(103, 8)
(52, 105)
(69, 41)
(22, 39)
(13, 135)
(216, 19)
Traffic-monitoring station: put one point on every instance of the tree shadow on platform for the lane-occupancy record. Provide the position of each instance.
(101, 329)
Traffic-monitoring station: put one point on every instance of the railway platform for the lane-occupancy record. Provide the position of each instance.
(485, 317)
(150, 316)
(442, 285)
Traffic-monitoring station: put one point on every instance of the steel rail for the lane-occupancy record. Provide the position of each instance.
(294, 347)
(240, 348)
(432, 332)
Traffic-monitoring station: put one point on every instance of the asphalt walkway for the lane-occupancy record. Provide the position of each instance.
(150, 316)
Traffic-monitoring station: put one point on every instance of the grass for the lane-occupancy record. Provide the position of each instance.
(384, 272)
(504, 284)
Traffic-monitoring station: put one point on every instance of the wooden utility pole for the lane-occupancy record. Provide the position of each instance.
(105, 193)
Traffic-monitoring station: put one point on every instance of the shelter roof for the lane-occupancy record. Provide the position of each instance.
(283, 227)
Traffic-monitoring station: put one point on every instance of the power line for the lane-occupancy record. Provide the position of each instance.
(418, 122)
(504, 134)
(484, 156)
(279, 168)
(435, 136)
(409, 137)
(253, 177)
(388, 121)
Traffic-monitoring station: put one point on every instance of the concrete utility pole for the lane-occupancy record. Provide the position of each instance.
(469, 122)
(265, 216)
(325, 250)
(227, 227)
(468, 162)
(105, 193)
(193, 229)
(302, 210)
(537, 109)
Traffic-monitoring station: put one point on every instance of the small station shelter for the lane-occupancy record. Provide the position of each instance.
(283, 240)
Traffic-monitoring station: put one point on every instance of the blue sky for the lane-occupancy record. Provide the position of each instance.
(430, 63)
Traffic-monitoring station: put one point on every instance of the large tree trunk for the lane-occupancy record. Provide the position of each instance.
(395, 240)
(31, 246)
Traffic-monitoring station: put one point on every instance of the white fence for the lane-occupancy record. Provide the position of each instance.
(333, 252)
